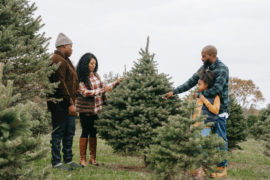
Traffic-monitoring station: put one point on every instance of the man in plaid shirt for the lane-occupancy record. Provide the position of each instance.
(220, 87)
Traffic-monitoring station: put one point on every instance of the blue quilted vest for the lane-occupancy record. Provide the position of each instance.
(210, 116)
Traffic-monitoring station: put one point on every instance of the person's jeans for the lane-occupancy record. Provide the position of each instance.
(206, 131)
(220, 130)
(63, 130)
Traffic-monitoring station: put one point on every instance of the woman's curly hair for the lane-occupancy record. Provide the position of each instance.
(83, 71)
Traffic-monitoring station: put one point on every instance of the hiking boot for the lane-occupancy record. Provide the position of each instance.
(61, 166)
(83, 147)
(93, 151)
(221, 174)
(198, 174)
(74, 165)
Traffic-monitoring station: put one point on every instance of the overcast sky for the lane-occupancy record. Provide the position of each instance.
(115, 31)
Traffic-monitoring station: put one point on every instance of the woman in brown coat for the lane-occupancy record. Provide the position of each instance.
(89, 103)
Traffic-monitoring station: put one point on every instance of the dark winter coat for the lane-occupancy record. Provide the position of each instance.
(67, 76)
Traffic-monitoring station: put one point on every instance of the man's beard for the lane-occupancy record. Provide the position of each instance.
(67, 55)
(207, 63)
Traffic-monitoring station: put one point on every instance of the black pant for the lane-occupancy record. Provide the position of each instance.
(88, 125)
(63, 130)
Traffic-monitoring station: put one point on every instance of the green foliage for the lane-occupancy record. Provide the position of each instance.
(251, 120)
(236, 124)
(41, 120)
(23, 50)
(262, 126)
(266, 138)
(135, 107)
(179, 147)
(264, 113)
(17, 145)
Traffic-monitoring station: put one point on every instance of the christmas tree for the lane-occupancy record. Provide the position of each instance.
(261, 128)
(266, 136)
(23, 50)
(17, 146)
(135, 107)
(251, 120)
(236, 124)
(179, 147)
(262, 125)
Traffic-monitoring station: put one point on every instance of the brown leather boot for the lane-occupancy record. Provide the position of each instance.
(93, 151)
(83, 147)
(221, 174)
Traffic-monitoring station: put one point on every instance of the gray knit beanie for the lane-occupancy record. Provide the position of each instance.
(62, 39)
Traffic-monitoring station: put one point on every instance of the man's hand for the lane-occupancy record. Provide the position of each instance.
(72, 110)
(168, 95)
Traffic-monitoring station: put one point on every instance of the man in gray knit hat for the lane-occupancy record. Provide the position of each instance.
(63, 113)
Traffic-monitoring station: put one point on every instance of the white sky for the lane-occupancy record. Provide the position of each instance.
(115, 31)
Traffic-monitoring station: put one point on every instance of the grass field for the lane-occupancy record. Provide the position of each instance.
(247, 164)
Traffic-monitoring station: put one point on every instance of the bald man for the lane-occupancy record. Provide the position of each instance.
(220, 87)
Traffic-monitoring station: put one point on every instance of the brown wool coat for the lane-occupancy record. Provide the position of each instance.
(87, 104)
(67, 76)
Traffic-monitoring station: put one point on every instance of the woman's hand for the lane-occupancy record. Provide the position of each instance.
(120, 79)
(107, 88)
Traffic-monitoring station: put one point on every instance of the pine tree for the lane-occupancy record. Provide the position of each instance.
(179, 147)
(23, 50)
(251, 120)
(261, 127)
(267, 144)
(135, 107)
(236, 124)
(17, 146)
(266, 135)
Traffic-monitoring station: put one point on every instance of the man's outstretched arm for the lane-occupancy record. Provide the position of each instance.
(187, 85)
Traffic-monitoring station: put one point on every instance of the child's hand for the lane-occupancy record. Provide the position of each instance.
(195, 95)
(202, 97)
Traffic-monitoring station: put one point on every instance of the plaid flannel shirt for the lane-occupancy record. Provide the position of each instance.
(97, 91)
(220, 86)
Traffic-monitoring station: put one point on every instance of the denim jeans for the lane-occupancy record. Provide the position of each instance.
(63, 131)
(206, 131)
(220, 130)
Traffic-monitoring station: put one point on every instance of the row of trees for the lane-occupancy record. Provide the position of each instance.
(24, 84)
(136, 119)
(24, 51)
(17, 145)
